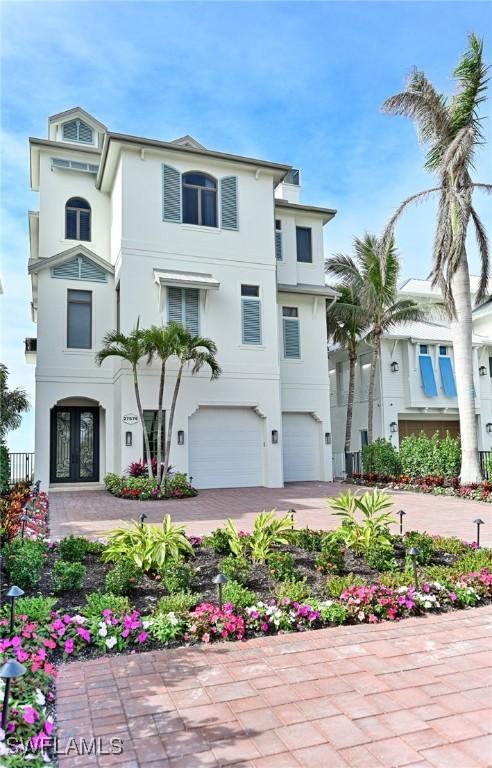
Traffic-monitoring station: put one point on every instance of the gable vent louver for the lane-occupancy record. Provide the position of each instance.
(80, 268)
(73, 165)
(76, 130)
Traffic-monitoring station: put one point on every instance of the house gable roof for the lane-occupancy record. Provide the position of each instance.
(37, 265)
(75, 112)
(187, 141)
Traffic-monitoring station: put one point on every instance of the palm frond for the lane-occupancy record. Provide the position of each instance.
(483, 187)
(483, 248)
(471, 76)
(419, 197)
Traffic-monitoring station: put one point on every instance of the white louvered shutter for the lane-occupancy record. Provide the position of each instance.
(85, 133)
(70, 131)
(228, 203)
(251, 321)
(292, 343)
(174, 305)
(171, 194)
(278, 245)
(191, 310)
(80, 268)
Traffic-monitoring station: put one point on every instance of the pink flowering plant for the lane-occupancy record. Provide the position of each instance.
(111, 631)
(209, 622)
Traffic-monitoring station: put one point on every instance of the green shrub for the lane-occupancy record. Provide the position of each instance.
(330, 559)
(474, 560)
(23, 561)
(235, 568)
(218, 541)
(296, 590)
(423, 542)
(166, 627)
(66, 576)
(421, 456)
(381, 457)
(281, 566)
(35, 608)
(177, 577)
(381, 558)
(179, 603)
(95, 547)
(305, 538)
(444, 574)
(451, 545)
(396, 579)
(97, 602)
(238, 595)
(121, 578)
(150, 547)
(334, 613)
(335, 585)
(73, 549)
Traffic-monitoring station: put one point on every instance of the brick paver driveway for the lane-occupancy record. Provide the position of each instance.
(93, 513)
(416, 693)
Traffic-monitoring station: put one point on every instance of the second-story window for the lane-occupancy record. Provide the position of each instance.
(199, 199)
(304, 245)
(77, 219)
(443, 350)
(292, 341)
(79, 319)
(250, 314)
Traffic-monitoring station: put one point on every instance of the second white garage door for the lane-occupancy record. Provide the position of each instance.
(225, 448)
(300, 436)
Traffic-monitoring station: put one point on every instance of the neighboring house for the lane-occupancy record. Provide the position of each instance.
(415, 383)
(132, 229)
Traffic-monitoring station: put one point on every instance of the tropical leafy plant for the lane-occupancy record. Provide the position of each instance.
(150, 547)
(268, 530)
(373, 529)
(236, 542)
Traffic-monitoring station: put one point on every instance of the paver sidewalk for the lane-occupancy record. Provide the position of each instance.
(413, 693)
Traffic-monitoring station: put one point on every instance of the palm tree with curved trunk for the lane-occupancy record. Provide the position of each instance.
(130, 348)
(346, 322)
(372, 276)
(194, 351)
(451, 131)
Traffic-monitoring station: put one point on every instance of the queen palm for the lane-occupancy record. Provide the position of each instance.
(130, 348)
(451, 131)
(372, 276)
(196, 351)
(346, 322)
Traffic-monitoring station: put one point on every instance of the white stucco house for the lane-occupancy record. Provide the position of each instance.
(415, 383)
(130, 228)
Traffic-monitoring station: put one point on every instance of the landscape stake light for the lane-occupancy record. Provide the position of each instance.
(478, 522)
(24, 519)
(12, 594)
(8, 671)
(220, 580)
(401, 512)
(413, 552)
(143, 518)
(292, 512)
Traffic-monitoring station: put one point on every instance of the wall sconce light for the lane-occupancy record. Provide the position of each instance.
(327, 438)
(181, 437)
(488, 427)
(393, 427)
(274, 436)
(395, 367)
(482, 370)
(128, 438)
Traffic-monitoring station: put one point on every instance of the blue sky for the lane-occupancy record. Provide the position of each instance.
(300, 83)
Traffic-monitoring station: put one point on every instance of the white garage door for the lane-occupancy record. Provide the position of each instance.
(300, 447)
(226, 448)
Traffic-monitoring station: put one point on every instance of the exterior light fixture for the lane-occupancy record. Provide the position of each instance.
(143, 518)
(292, 512)
(274, 436)
(478, 522)
(328, 438)
(393, 427)
(35, 487)
(220, 580)
(8, 672)
(401, 512)
(128, 439)
(12, 594)
(488, 426)
(181, 437)
(395, 367)
(482, 370)
(414, 552)
(24, 520)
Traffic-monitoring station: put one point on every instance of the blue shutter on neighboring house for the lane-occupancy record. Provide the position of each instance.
(228, 202)
(292, 342)
(171, 194)
(251, 321)
(427, 373)
(80, 268)
(183, 306)
(447, 376)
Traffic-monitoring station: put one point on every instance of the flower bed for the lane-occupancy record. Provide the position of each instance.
(142, 488)
(435, 484)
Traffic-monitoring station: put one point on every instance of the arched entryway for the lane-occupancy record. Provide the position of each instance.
(74, 441)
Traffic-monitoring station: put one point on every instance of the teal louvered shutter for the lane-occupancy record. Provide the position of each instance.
(228, 203)
(191, 310)
(251, 321)
(171, 194)
(80, 268)
(292, 343)
(174, 305)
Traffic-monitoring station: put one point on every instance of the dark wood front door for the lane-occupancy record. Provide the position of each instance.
(74, 445)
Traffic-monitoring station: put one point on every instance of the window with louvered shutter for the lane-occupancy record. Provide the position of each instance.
(171, 194)
(229, 203)
(292, 342)
(250, 314)
(278, 239)
(80, 268)
(183, 306)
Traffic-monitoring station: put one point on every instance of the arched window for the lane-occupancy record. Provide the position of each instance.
(199, 199)
(77, 219)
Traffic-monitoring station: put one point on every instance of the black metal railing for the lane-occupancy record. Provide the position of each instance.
(353, 464)
(486, 464)
(21, 467)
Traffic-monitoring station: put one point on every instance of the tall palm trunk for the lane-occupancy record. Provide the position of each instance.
(463, 362)
(159, 423)
(144, 426)
(350, 401)
(171, 419)
(372, 387)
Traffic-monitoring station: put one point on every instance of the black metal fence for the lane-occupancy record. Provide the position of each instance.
(353, 464)
(486, 464)
(21, 467)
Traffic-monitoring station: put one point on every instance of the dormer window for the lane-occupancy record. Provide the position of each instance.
(77, 219)
(77, 130)
(199, 199)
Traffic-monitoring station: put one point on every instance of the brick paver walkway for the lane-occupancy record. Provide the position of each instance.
(94, 513)
(416, 693)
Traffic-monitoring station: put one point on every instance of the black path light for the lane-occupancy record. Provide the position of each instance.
(292, 512)
(401, 512)
(143, 518)
(414, 552)
(8, 671)
(24, 520)
(478, 522)
(220, 580)
(12, 594)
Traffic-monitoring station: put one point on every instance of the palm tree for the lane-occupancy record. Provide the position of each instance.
(346, 322)
(451, 130)
(160, 342)
(372, 276)
(130, 348)
(197, 351)
(13, 403)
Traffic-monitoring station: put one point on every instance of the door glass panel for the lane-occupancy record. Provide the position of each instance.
(86, 444)
(63, 444)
